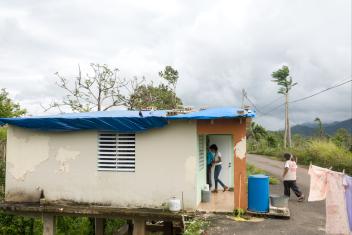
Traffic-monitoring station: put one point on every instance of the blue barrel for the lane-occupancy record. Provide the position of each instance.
(258, 193)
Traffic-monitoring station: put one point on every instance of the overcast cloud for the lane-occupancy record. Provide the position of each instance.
(219, 47)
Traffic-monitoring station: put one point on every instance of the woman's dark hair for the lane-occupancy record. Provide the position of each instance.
(214, 147)
(287, 156)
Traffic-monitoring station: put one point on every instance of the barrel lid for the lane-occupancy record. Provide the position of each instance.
(260, 176)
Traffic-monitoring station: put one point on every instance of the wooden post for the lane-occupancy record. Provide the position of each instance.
(99, 226)
(138, 226)
(130, 227)
(49, 227)
(168, 228)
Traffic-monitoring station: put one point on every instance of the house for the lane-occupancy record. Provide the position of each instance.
(124, 159)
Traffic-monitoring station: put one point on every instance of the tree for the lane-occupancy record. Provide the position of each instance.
(320, 127)
(284, 81)
(104, 89)
(150, 96)
(343, 139)
(171, 76)
(256, 132)
(162, 96)
(8, 108)
(98, 91)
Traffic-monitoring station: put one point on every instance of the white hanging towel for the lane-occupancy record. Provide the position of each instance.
(327, 184)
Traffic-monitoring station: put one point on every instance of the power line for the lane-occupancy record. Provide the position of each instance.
(256, 108)
(307, 97)
(268, 104)
(271, 102)
(322, 91)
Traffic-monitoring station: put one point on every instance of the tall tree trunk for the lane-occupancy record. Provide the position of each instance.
(286, 121)
(288, 127)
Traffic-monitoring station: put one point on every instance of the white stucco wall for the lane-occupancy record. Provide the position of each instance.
(64, 165)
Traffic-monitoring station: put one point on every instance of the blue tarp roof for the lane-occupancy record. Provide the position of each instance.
(213, 113)
(118, 120)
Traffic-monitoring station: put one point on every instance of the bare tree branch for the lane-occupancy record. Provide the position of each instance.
(100, 90)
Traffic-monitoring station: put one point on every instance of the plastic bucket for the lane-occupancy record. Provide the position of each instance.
(279, 201)
(206, 196)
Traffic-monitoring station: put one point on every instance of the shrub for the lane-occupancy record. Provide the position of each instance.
(324, 153)
(73, 225)
(252, 170)
(328, 154)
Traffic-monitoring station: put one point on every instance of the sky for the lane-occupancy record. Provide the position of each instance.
(218, 47)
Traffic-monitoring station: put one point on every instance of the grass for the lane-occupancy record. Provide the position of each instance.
(322, 153)
(252, 170)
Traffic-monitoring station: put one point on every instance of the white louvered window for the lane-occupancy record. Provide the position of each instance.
(116, 152)
(201, 143)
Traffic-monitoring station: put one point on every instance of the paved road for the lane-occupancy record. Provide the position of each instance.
(306, 218)
(275, 168)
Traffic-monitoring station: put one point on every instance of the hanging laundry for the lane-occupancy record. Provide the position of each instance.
(318, 183)
(327, 184)
(348, 186)
(336, 210)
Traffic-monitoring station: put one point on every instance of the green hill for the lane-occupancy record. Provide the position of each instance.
(309, 129)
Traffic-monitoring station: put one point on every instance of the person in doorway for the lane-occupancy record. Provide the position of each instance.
(289, 177)
(210, 158)
(217, 163)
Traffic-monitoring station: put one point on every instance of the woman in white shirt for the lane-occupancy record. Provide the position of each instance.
(217, 163)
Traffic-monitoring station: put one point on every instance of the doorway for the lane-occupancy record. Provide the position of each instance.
(221, 201)
(225, 147)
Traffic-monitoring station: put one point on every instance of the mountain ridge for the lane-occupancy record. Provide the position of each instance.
(309, 129)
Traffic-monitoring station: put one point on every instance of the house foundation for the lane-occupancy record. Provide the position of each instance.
(142, 219)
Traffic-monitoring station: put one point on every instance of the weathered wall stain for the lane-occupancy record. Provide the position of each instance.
(19, 195)
(240, 148)
(19, 145)
(64, 155)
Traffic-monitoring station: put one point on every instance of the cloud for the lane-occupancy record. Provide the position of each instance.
(218, 47)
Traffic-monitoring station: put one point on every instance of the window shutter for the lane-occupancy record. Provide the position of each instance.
(201, 143)
(116, 152)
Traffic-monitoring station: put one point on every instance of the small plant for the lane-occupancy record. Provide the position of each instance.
(239, 212)
(239, 215)
(196, 226)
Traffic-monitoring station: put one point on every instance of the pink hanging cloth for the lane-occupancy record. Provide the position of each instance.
(327, 184)
(348, 187)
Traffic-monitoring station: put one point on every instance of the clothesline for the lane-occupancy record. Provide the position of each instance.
(330, 169)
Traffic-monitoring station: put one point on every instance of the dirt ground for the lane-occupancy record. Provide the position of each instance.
(306, 217)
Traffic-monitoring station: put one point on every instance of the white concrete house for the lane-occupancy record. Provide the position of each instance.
(123, 159)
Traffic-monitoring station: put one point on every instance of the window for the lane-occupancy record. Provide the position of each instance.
(201, 143)
(116, 152)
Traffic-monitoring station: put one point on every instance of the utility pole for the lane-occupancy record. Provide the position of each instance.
(285, 83)
(287, 138)
(288, 127)
(244, 93)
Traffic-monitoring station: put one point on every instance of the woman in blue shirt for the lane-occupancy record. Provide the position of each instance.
(217, 162)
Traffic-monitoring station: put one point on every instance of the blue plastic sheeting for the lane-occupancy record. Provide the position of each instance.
(213, 113)
(120, 120)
